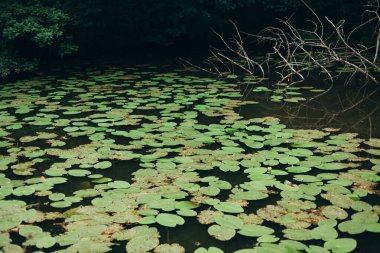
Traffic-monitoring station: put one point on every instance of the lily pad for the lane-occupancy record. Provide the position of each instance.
(341, 245)
(253, 230)
(142, 244)
(103, 165)
(169, 220)
(221, 233)
(229, 207)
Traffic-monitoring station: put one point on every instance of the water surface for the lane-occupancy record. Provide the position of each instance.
(100, 157)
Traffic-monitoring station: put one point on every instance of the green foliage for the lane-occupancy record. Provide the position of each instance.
(28, 30)
(12, 63)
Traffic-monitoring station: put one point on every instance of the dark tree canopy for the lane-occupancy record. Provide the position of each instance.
(32, 30)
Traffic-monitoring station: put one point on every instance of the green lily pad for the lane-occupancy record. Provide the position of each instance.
(341, 245)
(45, 242)
(142, 244)
(24, 190)
(103, 165)
(78, 173)
(334, 212)
(325, 233)
(229, 221)
(229, 207)
(253, 230)
(374, 227)
(268, 239)
(169, 248)
(56, 196)
(221, 233)
(70, 129)
(147, 220)
(352, 227)
(118, 184)
(169, 220)
(61, 204)
(298, 234)
(209, 250)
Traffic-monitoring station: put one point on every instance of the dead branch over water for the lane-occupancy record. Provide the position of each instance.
(299, 50)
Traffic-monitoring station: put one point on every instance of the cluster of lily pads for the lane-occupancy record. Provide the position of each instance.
(280, 92)
(195, 158)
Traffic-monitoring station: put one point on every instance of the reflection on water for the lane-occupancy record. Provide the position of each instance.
(348, 108)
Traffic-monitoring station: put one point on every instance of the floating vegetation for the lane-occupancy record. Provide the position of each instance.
(106, 161)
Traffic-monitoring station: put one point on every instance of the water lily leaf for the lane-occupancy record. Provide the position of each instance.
(250, 218)
(306, 178)
(294, 245)
(334, 212)
(332, 166)
(71, 129)
(97, 137)
(373, 142)
(24, 190)
(229, 167)
(210, 190)
(352, 227)
(221, 233)
(338, 199)
(61, 204)
(375, 152)
(78, 173)
(142, 244)
(298, 169)
(246, 251)
(298, 234)
(209, 250)
(325, 233)
(169, 220)
(118, 184)
(223, 185)
(187, 212)
(268, 239)
(103, 165)
(316, 249)
(86, 193)
(169, 248)
(366, 217)
(229, 207)
(137, 231)
(249, 195)
(101, 202)
(253, 230)
(229, 221)
(310, 189)
(291, 160)
(30, 230)
(56, 196)
(147, 198)
(164, 204)
(374, 227)
(147, 220)
(45, 242)
(208, 216)
(12, 248)
(185, 205)
(341, 245)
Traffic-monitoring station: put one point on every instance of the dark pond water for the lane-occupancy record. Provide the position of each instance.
(112, 156)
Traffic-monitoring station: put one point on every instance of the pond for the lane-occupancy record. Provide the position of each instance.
(158, 158)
